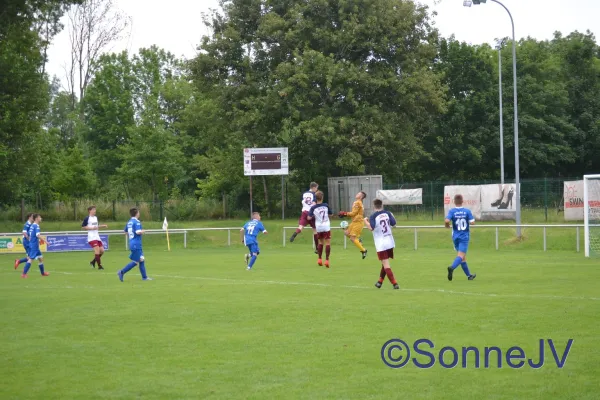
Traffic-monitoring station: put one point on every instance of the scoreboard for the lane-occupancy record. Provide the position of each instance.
(265, 161)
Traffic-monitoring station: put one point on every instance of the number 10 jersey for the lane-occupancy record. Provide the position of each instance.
(461, 219)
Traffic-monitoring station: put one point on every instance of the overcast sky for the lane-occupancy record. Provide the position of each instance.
(176, 25)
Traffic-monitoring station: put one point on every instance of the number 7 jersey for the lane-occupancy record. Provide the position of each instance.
(382, 222)
(461, 219)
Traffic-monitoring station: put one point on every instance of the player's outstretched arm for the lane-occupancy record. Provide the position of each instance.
(368, 224)
(242, 235)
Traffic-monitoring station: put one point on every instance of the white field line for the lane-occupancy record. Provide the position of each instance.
(415, 290)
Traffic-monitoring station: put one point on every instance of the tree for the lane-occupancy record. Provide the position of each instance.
(73, 176)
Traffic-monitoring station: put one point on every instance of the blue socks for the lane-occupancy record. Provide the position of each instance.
(143, 269)
(128, 267)
(457, 262)
(26, 269)
(252, 261)
(465, 268)
(22, 260)
(42, 269)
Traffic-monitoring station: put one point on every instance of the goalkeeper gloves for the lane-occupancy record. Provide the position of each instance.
(342, 214)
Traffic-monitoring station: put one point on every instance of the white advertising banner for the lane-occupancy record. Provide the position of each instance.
(573, 193)
(471, 198)
(401, 196)
(498, 202)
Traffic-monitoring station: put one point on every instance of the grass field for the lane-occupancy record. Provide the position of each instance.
(206, 328)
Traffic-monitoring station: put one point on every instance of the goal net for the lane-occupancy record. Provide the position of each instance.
(591, 214)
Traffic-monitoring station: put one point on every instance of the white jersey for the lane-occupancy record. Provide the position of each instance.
(308, 199)
(91, 222)
(321, 213)
(382, 223)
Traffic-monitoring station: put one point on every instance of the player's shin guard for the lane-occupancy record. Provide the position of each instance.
(41, 268)
(252, 261)
(327, 251)
(143, 269)
(358, 244)
(465, 268)
(457, 262)
(390, 275)
(26, 269)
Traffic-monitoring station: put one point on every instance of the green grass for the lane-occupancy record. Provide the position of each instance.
(206, 328)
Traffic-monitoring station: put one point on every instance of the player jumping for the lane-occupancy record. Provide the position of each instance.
(249, 234)
(308, 200)
(320, 213)
(35, 253)
(356, 226)
(25, 239)
(381, 223)
(134, 232)
(460, 218)
(90, 224)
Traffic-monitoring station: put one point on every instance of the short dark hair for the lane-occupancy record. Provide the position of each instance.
(377, 203)
(35, 215)
(364, 195)
(133, 212)
(90, 208)
(314, 185)
(29, 215)
(458, 199)
(319, 195)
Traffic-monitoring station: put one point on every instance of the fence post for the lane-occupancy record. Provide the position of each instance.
(345, 243)
(185, 239)
(578, 239)
(228, 237)
(546, 198)
(284, 236)
(496, 238)
(415, 238)
(544, 238)
(114, 210)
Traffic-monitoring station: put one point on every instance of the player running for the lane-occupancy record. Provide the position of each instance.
(249, 234)
(460, 218)
(134, 232)
(381, 223)
(34, 253)
(25, 239)
(356, 226)
(308, 200)
(320, 213)
(90, 224)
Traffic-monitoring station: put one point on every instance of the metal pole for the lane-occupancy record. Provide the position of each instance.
(228, 237)
(185, 239)
(282, 198)
(544, 238)
(501, 115)
(578, 239)
(250, 196)
(284, 236)
(496, 238)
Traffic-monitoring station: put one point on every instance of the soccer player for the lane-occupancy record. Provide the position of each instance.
(134, 232)
(320, 213)
(34, 252)
(249, 234)
(356, 226)
(25, 239)
(460, 218)
(308, 200)
(381, 223)
(90, 224)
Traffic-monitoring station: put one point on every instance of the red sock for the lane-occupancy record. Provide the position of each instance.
(320, 250)
(316, 240)
(390, 276)
(298, 230)
(327, 251)
(382, 275)
(97, 258)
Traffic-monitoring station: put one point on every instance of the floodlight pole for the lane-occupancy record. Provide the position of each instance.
(500, 44)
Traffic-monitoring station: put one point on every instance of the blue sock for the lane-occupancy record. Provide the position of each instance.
(143, 269)
(465, 268)
(26, 269)
(128, 267)
(42, 269)
(252, 261)
(457, 262)
(22, 260)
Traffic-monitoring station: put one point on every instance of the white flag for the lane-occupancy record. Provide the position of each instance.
(165, 224)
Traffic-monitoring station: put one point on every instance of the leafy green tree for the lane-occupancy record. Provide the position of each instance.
(73, 176)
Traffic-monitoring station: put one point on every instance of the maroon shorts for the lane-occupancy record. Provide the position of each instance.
(324, 235)
(385, 255)
(304, 221)
(96, 243)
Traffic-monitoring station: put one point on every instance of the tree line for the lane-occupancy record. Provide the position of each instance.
(351, 88)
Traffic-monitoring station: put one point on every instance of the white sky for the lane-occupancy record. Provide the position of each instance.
(176, 25)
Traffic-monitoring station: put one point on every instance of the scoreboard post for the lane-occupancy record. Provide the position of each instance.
(267, 161)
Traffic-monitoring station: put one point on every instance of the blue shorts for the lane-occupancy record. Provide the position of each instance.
(136, 255)
(461, 245)
(34, 253)
(253, 248)
(26, 247)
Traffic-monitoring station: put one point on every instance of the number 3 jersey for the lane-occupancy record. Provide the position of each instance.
(382, 223)
(461, 219)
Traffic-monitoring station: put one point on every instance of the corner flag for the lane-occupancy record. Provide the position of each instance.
(166, 228)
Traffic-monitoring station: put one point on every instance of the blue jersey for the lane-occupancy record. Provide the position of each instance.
(26, 231)
(251, 231)
(460, 219)
(34, 240)
(135, 240)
